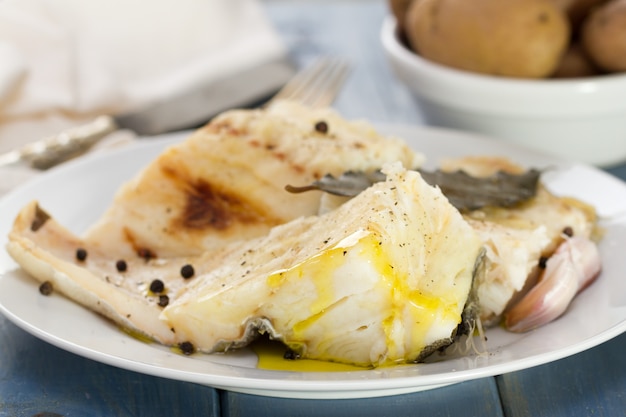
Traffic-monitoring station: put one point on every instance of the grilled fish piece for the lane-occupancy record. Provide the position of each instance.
(49, 252)
(382, 279)
(226, 181)
(518, 239)
(520, 229)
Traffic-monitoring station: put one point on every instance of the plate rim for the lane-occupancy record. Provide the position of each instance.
(314, 388)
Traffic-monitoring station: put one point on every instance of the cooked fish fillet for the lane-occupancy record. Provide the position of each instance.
(517, 237)
(50, 252)
(226, 182)
(378, 280)
(382, 279)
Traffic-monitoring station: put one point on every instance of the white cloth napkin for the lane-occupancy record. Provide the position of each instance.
(63, 62)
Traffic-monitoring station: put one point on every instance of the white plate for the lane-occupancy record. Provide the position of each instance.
(77, 193)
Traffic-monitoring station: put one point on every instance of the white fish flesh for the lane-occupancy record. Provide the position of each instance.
(382, 279)
(518, 239)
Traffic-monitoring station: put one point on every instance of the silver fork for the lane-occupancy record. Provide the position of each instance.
(316, 85)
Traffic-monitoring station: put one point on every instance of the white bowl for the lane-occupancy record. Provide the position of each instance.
(582, 119)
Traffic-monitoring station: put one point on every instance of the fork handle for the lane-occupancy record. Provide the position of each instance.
(53, 150)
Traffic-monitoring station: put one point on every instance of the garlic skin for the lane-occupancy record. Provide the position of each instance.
(574, 265)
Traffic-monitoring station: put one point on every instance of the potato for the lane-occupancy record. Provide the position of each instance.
(575, 63)
(577, 10)
(516, 38)
(399, 9)
(604, 36)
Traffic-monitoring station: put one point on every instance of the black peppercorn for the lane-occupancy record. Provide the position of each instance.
(46, 288)
(291, 355)
(81, 254)
(157, 286)
(121, 265)
(321, 127)
(187, 271)
(164, 300)
(187, 348)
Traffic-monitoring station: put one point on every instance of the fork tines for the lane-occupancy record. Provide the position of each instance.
(318, 84)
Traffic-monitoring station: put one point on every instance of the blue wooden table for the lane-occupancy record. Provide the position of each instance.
(39, 379)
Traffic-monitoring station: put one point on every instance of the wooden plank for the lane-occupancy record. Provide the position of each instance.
(591, 383)
(619, 171)
(36, 377)
(477, 398)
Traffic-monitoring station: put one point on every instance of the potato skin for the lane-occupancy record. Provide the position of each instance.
(515, 38)
(604, 36)
(575, 64)
(577, 10)
(399, 9)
